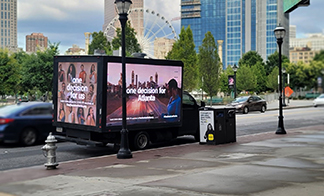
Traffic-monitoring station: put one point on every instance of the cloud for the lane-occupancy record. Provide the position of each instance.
(308, 19)
(60, 20)
(58, 9)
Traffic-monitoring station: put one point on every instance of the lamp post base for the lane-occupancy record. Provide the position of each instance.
(124, 154)
(124, 151)
(281, 131)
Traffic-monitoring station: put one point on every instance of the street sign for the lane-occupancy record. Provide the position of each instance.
(288, 91)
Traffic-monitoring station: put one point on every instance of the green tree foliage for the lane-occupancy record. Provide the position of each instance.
(272, 79)
(37, 70)
(251, 58)
(246, 80)
(184, 49)
(9, 73)
(209, 65)
(273, 61)
(100, 42)
(260, 74)
(132, 45)
(319, 56)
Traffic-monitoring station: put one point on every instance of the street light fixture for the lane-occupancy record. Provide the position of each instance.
(124, 151)
(280, 33)
(235, 70)
(284, 91)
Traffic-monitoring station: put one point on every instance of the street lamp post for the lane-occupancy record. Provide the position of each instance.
(124, 151)
(284, 91)
(280, 34)
(235, 70)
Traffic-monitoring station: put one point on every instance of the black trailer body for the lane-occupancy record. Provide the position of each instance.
(87, 97)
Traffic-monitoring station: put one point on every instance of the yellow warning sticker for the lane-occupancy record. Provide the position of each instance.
(210, 137)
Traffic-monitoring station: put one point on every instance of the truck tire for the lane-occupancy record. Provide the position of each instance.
(141, 140)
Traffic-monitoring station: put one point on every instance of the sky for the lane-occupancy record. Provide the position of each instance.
(65, 22)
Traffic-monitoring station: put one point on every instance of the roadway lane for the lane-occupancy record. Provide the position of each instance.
(255, 122)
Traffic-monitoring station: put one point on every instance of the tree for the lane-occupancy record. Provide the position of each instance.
(9, 75)
(209, 65)
(37, 70)
(132, 45)
(251, 58)
(184, 49)
(246, 80)
(100, 42)
(260, 74)
(272, 79)
(273, 61)
(319, 56)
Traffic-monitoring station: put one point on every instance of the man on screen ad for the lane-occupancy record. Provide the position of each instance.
(153, 94)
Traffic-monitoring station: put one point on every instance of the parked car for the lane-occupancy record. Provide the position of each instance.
(26, 122)
(319, 100)
(249, 103)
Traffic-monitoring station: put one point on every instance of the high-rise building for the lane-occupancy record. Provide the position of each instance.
(9, 25)
(35, 42)
(242, 25)
(162, 46)
(110, 13)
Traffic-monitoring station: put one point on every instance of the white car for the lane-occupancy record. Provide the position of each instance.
(319, 100)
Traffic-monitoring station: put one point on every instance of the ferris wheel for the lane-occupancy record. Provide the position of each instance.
(149, 26)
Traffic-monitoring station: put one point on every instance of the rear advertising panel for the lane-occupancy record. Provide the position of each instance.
(154, 93)
(76, 95)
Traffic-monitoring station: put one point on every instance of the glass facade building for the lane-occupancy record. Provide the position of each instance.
(242, 25)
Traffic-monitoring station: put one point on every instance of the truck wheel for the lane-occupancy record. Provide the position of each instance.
(28, 137)
(141, 140)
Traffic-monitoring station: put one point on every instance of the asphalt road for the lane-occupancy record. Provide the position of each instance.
(12, 156)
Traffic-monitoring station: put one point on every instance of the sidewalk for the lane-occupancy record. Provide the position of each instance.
(263, 164)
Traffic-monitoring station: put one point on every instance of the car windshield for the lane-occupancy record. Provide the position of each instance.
(9, 109)
(240, 99)
(321, 96)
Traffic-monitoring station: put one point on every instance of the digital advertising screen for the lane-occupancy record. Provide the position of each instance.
(76, 97)
(153, 93)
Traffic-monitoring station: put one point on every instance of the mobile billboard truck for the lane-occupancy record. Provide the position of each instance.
(87, 97)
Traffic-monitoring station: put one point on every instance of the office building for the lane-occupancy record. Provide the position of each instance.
(162, 46)
(303, 54)
(304, 49)
(75, 50)
(240, 25)
(35, 42)
(315, 41)
(9, 25)
(110, 13)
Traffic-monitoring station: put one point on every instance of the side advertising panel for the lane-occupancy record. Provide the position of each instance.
(153, 93)
(76, 97)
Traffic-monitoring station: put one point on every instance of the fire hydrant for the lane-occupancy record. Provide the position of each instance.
(49, 151)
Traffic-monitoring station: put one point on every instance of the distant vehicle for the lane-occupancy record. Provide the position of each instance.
(26, 122)
(319, 100)
(249, 103)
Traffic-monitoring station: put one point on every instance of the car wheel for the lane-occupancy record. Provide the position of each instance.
(28, 137)
(245, 110)
(263, 108)
(141, 140)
